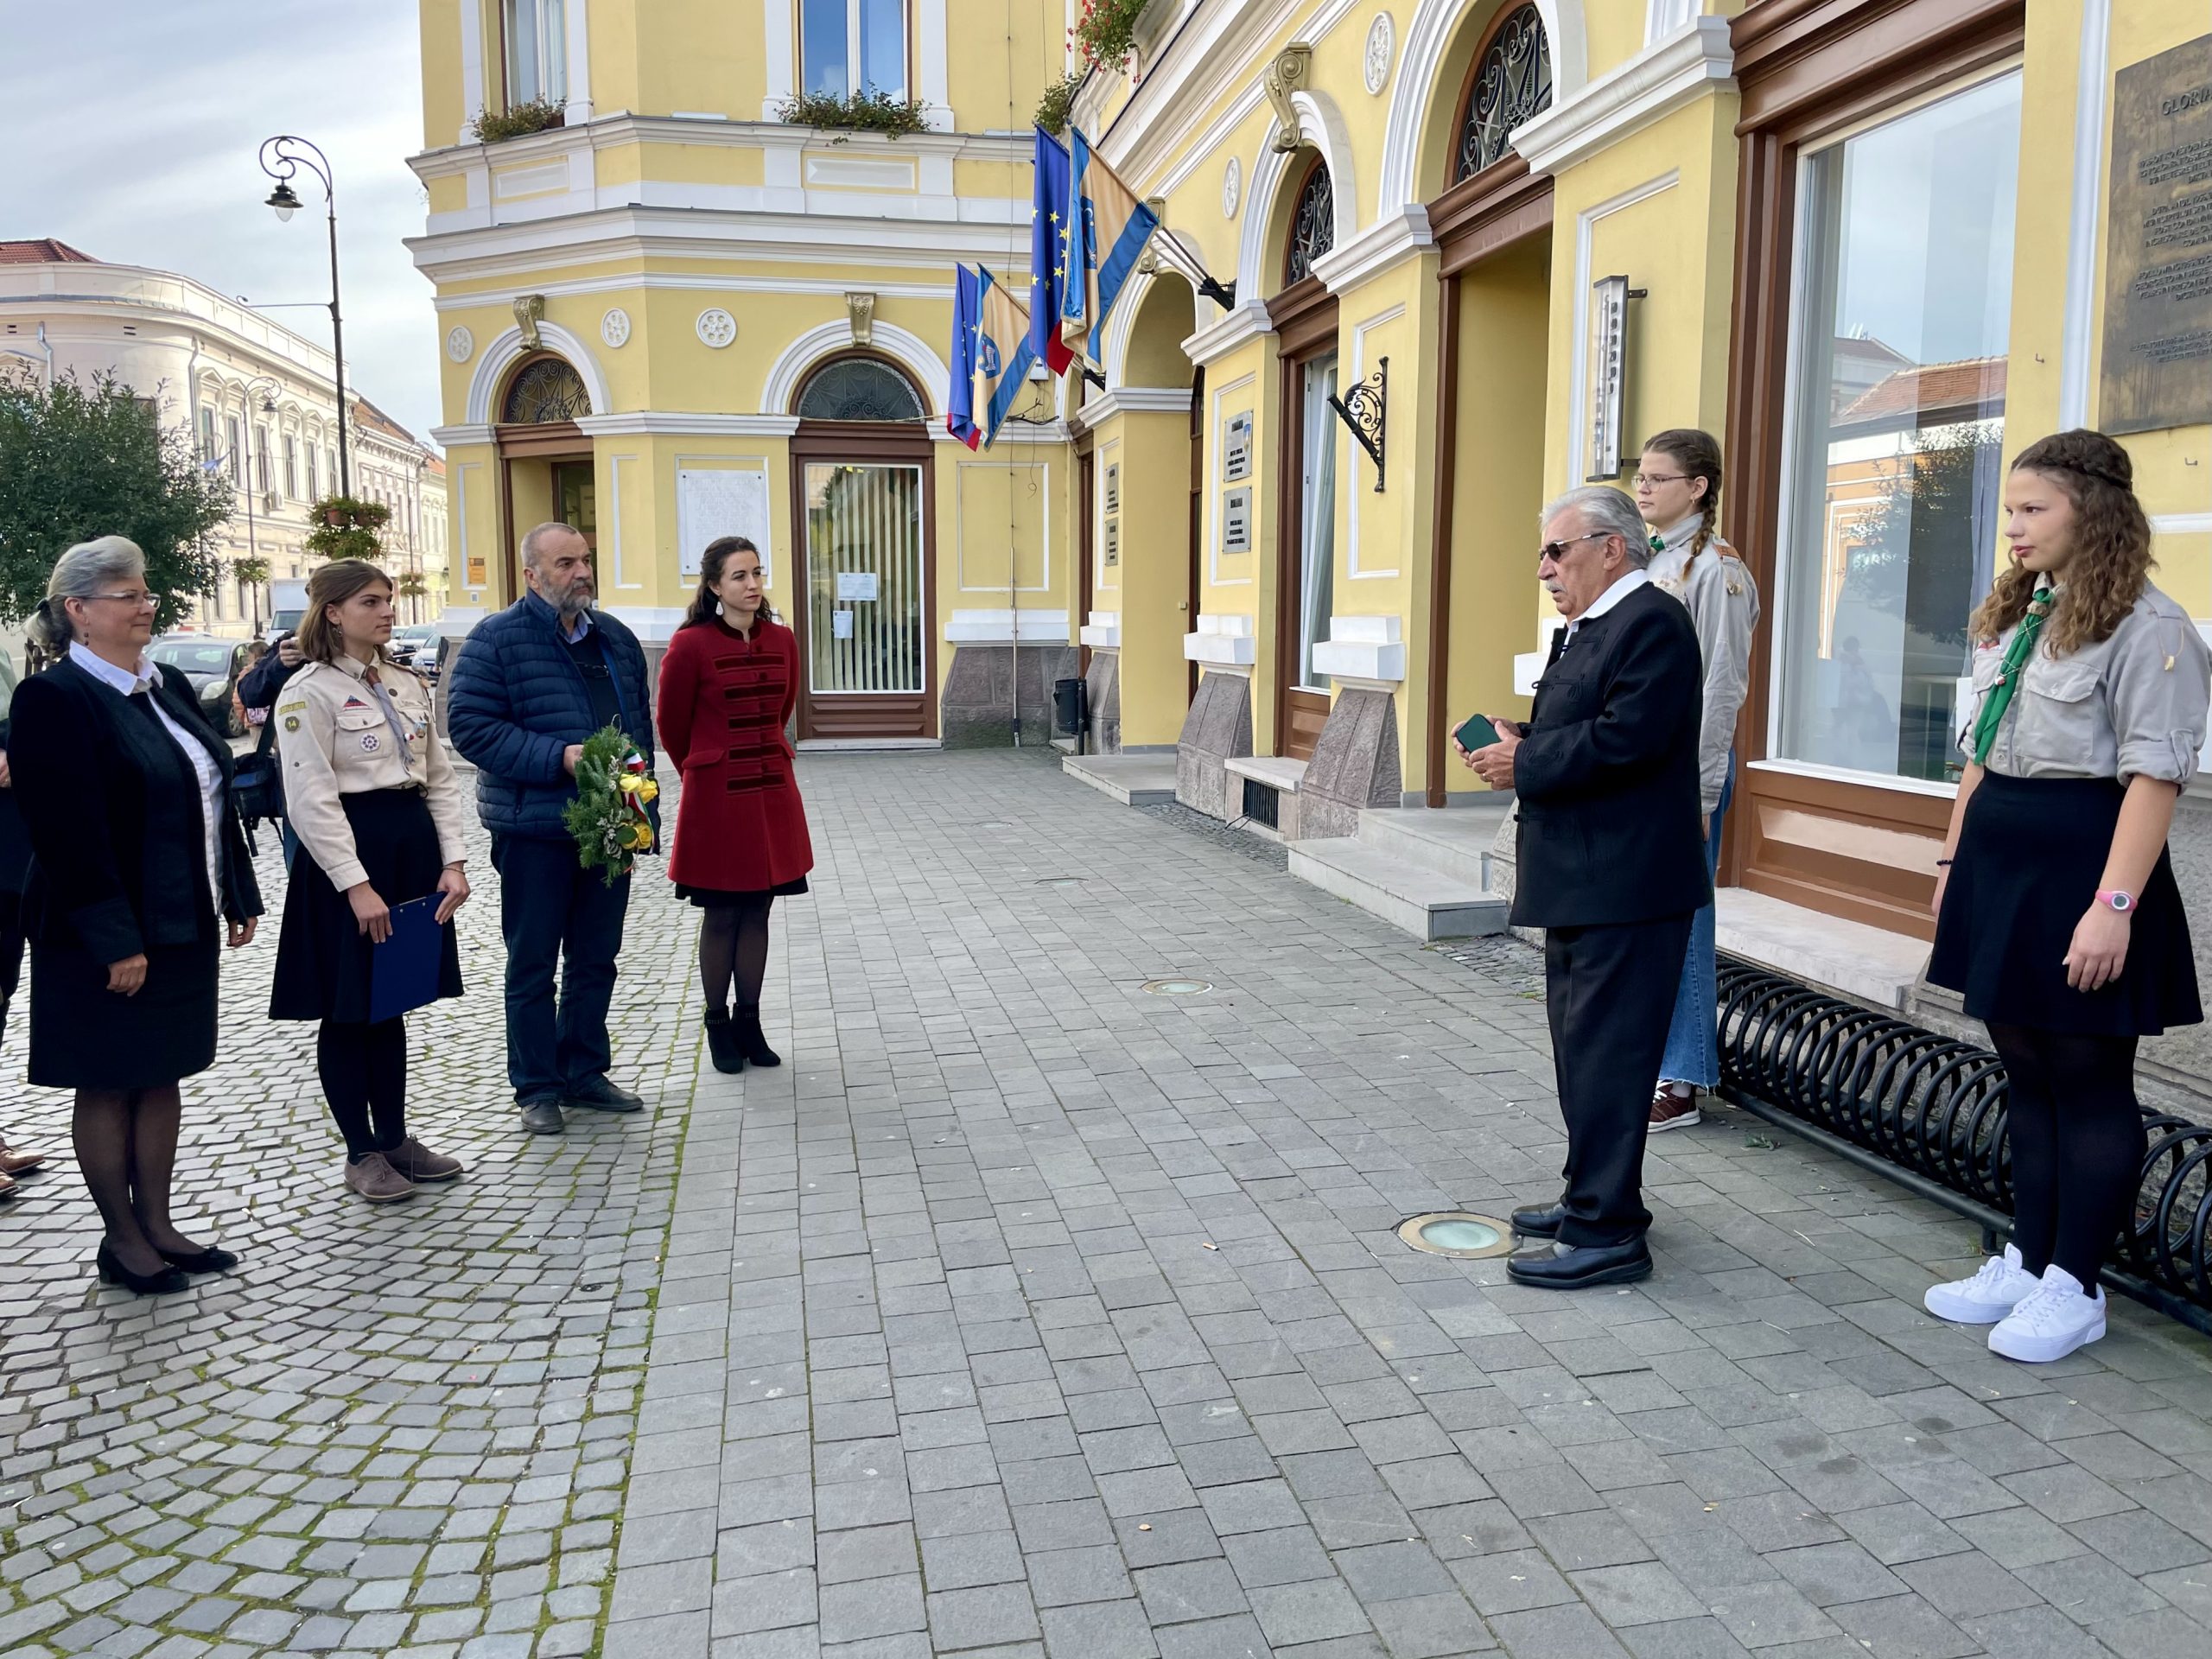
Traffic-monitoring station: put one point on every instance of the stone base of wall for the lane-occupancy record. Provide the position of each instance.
(1102, 690)
(1355, 765)
(976, 708)
(1219, 725)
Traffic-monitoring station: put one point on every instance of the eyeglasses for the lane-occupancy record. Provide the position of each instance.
(1553, 552)
(140, 598)
(1642, 478)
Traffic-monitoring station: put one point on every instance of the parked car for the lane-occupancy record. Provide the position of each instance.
(416, 646)
(212, 667)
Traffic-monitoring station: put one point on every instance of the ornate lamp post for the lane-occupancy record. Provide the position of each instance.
(281, 157)
(268, 389)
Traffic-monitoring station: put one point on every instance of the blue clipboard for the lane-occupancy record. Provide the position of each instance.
(403, 971)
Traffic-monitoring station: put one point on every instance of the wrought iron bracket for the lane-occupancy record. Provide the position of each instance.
(1364, 408)
(1222, 293)
(1094, 377)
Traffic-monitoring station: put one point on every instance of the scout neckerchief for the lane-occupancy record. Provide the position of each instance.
(2008, 676)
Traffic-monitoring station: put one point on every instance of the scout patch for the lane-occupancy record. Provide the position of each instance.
(368, 742)
(355, 703)
(291, 723)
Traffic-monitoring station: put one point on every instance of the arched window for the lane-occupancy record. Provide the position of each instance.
(858, 389)
(1313, 223)
(546, 390)
(1512, 81)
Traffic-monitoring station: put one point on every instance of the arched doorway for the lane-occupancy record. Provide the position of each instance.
(863, 507)
(1304, 314)
(546, 470)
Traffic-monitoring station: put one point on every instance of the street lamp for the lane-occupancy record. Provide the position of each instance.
(268, 388)
(281, 157)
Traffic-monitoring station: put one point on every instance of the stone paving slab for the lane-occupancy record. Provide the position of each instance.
(1023, 1312)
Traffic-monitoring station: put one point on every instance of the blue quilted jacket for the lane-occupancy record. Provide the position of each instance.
(515, 702)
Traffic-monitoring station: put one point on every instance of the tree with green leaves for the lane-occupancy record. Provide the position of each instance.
(80, 460)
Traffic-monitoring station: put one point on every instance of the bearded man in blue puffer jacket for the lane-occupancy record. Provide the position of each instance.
(530, 685)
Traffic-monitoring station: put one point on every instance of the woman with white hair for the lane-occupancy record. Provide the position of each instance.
(137, 865)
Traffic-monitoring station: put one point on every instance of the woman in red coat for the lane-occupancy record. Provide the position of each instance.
(727, 687)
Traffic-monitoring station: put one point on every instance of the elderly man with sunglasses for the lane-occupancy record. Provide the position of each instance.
(1611, 865)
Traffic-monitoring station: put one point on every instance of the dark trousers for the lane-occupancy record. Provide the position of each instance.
(553, 911)
(1610, 992)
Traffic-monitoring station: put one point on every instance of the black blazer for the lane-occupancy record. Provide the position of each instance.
(1608, 774)
(115, 847)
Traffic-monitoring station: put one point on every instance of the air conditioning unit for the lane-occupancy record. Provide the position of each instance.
(271, 502)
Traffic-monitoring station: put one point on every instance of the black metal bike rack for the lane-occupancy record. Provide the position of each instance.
(1930, 1112)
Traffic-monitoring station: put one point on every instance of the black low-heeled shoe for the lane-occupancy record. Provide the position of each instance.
(165, 1282)
(209, 1260)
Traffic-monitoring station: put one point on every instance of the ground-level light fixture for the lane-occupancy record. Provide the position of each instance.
(1458, 1233)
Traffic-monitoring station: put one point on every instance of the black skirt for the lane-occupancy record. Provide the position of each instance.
(323, 956)
(2029, 857)
(85, 1036)
(720, 899)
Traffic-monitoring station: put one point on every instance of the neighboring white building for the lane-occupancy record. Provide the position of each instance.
(259, 398)
(390, 466)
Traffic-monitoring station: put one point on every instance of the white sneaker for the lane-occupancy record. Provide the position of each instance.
(2002, 1285)
(2052, 1323)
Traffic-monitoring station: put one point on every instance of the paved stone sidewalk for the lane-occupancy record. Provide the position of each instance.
(1023, 1312)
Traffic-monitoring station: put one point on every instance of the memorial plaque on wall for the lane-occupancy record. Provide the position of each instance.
(1237, 520)
(2158, 347)
(1114, 487)
(1237, 448)
(1113, 543)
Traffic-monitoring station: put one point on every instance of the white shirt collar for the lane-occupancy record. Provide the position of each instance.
(108, 674)
(1624, 584)
(1678, 536)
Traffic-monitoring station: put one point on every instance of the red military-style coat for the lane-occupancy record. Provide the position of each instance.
(725, 699)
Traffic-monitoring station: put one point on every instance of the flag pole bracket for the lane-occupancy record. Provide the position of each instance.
(1365, 410)
(1222, 293)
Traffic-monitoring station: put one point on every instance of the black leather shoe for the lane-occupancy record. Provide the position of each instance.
(1539, 1220)
(1573, 1266)
(598, 1094)
(722, 1043)
(751, 1042)
(542, 1116)
(209, 1260)
(167, 1281)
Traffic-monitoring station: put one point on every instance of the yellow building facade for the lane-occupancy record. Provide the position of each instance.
(1427, 264)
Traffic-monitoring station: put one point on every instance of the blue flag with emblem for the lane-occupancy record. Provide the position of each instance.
(967, 326)
(999, 366)
(1051, 226)
(1111, 227)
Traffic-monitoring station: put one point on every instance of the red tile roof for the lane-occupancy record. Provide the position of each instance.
(368, 415)
(42, 250)
(1971, 384)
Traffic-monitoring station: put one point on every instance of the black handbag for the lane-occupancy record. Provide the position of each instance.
(258, 786)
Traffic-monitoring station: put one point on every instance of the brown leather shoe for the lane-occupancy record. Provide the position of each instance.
(15, 1163)
(417, 1162)
(1672, 1111)
(375, 1179)
(7, 1187)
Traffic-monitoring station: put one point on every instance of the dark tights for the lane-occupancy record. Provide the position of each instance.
(364, 1070)
(733, 951)
(2077, 1145)
(125, 1141)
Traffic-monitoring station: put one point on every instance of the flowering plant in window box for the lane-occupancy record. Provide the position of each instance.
(1105, 32)
(874, 110)
(1057, 107)
(346, 528)
(518, 121)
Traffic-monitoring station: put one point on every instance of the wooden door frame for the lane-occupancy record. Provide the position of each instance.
(551, 442)
(890, 443)
(1199, 477)
(1085, 469)
(1304, 319)
(1499, 207)
(1807, 69)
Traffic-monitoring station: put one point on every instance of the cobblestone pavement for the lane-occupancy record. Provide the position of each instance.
(1024, 1312)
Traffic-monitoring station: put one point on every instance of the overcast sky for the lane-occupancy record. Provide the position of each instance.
(128, 127)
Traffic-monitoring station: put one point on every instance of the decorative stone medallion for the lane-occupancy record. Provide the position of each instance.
(614, 327)
(716, 327)
(1232, 188)
(1380, 37)
(461, 345)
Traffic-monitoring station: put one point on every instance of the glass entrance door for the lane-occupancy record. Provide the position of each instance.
(1318, 530)
(865, 636)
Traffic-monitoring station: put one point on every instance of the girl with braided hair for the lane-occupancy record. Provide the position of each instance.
(2057, 915)
(1678, 493)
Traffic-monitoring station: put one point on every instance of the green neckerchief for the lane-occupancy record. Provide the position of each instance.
(2008, 677)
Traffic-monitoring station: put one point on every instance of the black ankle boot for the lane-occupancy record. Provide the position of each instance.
(749, 1040)
(722, 1044)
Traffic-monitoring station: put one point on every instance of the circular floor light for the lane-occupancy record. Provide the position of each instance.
(1176, 987)
(1458, 1233)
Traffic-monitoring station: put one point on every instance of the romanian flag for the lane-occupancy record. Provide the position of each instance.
(1051, 226)
(1111, 227)
(1000, 358)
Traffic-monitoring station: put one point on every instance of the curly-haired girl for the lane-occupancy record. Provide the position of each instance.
(2059, 918)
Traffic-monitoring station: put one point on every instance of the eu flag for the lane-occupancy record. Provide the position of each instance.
(967, 324)
(1111, 227)
(1050, 229)
(1001, 357)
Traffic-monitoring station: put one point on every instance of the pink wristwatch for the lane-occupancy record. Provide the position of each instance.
(2122, 902)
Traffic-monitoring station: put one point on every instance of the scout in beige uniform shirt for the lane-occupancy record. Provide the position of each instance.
(1724, 607)
(342, 735)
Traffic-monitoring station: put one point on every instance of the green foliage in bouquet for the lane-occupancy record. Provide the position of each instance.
(608, 816)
